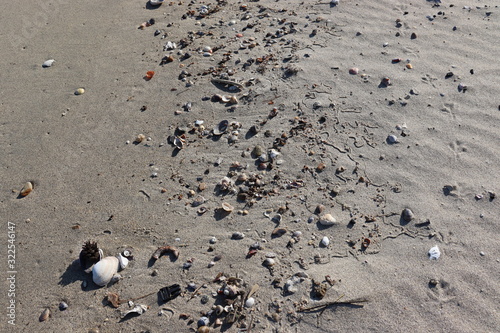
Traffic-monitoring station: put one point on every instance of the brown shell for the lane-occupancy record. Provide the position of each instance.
(28, 187)
(45, 315)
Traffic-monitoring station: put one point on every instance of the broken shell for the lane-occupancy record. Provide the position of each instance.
(221, 128)
(163, 250)
(48, 63)
(319, 209)
(233, 100)
(219, 309)
(28, 187)
(122, 260)
(63, 306)
(104, 270)
(218, 322)
(178, 142)
(242, 177)
(250, 302)
(199, 200)
(202, 210)
(327, 220)
(278, 232)
(407, 215)
(45, 315)
(237, 235)
(325, 241)
(273, 154)
(434, 253)
(203, 321)
(140, 138)
(79, 91)
(227, 207)
(139, 309)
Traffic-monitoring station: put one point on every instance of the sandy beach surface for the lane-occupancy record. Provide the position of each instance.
(261, 118)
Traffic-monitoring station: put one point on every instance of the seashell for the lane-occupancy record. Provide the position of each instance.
(169, 46)
(233, 100)
(327, 220)
(250, 302)
(213, 240)
(269, 262)
(149, 75)
(273, 154)
(48, 63)
(409, 66)
(242, 177)
(219, 309)
(353, 71)
(407, 215)
(79, 91)
(207, 49)
(297, 234)
(319, 209)
(63, 306)
(237, 235)
(155, 2)
(218, 322)
(140, 138)
(199, 200)
(202, 210)
(434, 253)
(255, 129)
(325, 241)
(277, 218)
(123, 261)
(163, 250)
(139, 309)
(104, 270)
(27, 188)
(45, 315)
(203, 329)
(225, 99)
(278, 232)
(391, 139)
(334, 3)
(178, 142)
(227, 207)
(203, 321)
(221, 128)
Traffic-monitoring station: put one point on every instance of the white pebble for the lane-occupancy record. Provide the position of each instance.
(250, 302)
(392, 139)
(325, 241)
(48, 63)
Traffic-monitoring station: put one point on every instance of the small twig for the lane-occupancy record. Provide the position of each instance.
(194, 293)
(228, 82)
(326, 305)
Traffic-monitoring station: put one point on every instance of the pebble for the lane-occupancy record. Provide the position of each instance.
(250, 302)
(392, 139)
(434, 253)
(325, 241)
(407, 215)
(79, 91)
(482, 254)
(203, 321)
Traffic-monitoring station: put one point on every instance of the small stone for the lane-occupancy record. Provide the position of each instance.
(203, 321)
(413, 35)
(250, 302)
(325, 241)
(63, 306)
(482, 254)
(392, 139)
(79, 91)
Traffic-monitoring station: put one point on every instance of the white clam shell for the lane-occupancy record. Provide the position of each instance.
(48, 63)
(327, 220)
(123, 261)
(103, 271)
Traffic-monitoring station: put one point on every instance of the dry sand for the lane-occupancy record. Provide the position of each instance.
(91, 185)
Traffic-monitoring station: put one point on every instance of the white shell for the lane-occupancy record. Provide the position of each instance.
(48, 63)
(269, 262)
(103, 271)
(123, 261)
(327, 220)
(139, 309)
(434, 253)
(325, 241)
(250, 302)
(155, 2)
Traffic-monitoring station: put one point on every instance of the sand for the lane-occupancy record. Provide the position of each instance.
(92, 182)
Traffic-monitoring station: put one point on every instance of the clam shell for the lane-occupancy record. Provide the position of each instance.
(327, 220)
(28, 187)
(123, 261)
(45, 315)
(48, 63)
(391, 139)
(221, 128)
(227, 207)
(269, 262)
(103, 271)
